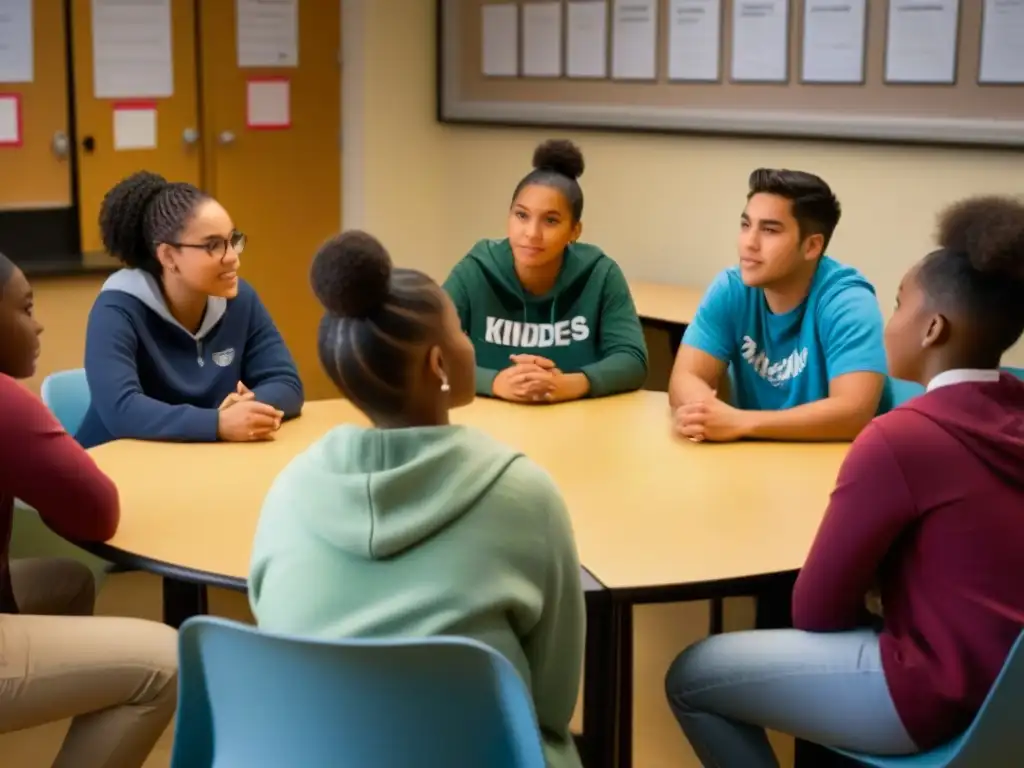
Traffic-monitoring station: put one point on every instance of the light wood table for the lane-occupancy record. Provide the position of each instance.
(656, 518)
(676, 304)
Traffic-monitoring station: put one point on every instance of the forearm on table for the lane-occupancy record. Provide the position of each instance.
(824, 420)
(687, 388)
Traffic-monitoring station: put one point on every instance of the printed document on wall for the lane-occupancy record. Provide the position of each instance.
(131, 49)
(542, 39)
(694, 39)
(634, 39)
(16, 36)
(921, 47)
(500, 40)
(268, 33)
(1002, 42)
(760, 36)
(834, 41)
(586, 45)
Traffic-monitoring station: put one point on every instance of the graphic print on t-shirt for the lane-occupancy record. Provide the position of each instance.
(775, 373)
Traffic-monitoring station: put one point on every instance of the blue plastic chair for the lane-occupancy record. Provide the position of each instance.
(995, 738)
(66, 393)
(903, 390)
(1018, 372)
(263, 700)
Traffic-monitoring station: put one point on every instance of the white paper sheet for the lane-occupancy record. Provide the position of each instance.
(760, 36)
(131, 49)
(921, 44)
(500, 40)
(16, 41)
(542, 39)
(268, 103)
(1002, 42)
(634, 39)
(134, 127)
(694, 39)
(268, 33)
(586, 47)
(10, 120)
(834, 41)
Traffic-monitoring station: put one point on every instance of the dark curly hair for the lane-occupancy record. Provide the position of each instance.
(557, 163)
(376, 317)
(142, 211)
(978, 271)
(815, 208)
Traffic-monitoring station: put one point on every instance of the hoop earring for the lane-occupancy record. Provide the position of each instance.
(444, 383)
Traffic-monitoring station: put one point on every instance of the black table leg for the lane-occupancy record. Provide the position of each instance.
(183, 600)
(716, 625)
(624, 622)
(599, 692)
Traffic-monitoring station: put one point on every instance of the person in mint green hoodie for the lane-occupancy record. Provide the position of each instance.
(415, 527)
(552, 319)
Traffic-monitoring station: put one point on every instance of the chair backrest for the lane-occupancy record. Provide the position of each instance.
(248, 697)
(996, 737)
(66, 393)
(1018, 372)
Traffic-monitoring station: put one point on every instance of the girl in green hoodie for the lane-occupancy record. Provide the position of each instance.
(552, 319)
(415, 527)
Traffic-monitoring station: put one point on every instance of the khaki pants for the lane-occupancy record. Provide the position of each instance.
(116, 677)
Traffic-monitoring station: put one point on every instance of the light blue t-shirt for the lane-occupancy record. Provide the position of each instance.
(782, 361)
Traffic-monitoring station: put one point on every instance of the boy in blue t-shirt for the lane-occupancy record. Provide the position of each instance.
(799, 333)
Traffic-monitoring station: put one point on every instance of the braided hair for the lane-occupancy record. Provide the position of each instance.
(376, 319)
(142, 211)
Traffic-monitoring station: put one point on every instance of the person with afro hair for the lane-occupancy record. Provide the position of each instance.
(552, 319)
(927, 508)
(178, 347)
(414, 526)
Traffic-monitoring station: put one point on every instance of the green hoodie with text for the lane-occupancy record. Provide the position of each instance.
(428, 531)
(586, 324)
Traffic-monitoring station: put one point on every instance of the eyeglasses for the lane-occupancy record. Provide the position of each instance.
(218, 246)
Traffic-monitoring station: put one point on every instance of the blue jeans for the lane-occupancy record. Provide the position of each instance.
(828, 688)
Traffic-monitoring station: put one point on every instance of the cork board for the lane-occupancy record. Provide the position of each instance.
(964, 112)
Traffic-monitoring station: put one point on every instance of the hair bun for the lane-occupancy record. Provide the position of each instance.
(560, 156)
(351, 274)
(989, 230)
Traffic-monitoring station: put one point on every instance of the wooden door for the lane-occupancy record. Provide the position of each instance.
(178, 152)
(37, 172)
(282, 186)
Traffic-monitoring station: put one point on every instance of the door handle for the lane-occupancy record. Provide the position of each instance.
(226, 137)
(60, 144)
(190, 136)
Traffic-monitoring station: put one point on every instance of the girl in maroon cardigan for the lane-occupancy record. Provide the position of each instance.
(116, 677)
(928, 506)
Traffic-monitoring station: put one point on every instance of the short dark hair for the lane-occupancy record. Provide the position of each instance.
(815, 207)
(375, 317)
(142, 211)
(557, 163)
(7, 268)
(979, 270)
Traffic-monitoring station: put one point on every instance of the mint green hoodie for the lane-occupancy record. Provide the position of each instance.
(428, 531)
(586, 324)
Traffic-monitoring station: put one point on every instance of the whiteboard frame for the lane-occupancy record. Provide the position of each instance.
(453, 108)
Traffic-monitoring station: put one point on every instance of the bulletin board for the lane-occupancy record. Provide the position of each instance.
(963, 112)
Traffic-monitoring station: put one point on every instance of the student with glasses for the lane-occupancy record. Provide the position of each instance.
(178, 347)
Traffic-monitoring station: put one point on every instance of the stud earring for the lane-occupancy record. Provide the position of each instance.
(444, 383)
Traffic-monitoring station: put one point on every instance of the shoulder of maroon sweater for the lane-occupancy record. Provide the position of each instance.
(43, 466)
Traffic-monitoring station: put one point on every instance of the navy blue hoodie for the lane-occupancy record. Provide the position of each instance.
(151, 379)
